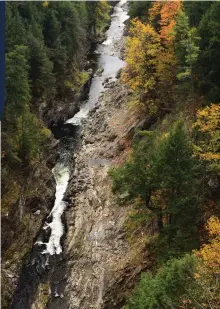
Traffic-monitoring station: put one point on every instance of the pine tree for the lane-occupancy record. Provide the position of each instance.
(175, 171)
(186, 46)
(164, 178)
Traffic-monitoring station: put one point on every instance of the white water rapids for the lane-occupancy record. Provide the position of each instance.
(61, 174)
(110, 63)
(53, 246)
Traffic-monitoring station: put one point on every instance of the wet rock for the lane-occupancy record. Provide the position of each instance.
(90, 71)
(99, 72)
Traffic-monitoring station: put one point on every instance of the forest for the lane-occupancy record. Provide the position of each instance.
(46, 47)
(172, 170)
(170, 176)
(47, 44)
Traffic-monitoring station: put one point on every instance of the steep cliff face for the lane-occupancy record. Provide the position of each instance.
(100, 258)
(18, 234)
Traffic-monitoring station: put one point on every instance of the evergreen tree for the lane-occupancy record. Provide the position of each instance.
(165, 179)
(175, 171)
(41, 76)
(139, 9)
(209, 60)
(15, 33)
(186, 46)
(16, 100)
(168, 288)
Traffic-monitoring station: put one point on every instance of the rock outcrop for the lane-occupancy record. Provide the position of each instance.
(100, 258)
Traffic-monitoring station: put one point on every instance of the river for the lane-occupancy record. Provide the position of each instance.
(47, 252)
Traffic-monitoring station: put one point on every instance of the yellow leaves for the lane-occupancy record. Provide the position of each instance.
(78, 81)
(210, 253)
(167, 65)
(208, 268)
(155, 10)
(141, 58)
(45, 4)
(213, 227)
(208, 156)
(208, 119)
(207, 125)
(149, 63)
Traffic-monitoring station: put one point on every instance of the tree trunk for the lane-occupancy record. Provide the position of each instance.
(21, 203)
(148, 197)
(160, 221)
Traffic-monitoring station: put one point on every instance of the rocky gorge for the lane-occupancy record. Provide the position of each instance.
(98, 265)
(99, 254)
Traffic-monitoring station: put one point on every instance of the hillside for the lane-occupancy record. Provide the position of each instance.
(111, 155)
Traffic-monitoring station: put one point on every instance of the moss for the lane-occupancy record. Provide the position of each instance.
(43, 294)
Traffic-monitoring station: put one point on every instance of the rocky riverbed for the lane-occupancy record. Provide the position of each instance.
(99, 256)
(98, 265)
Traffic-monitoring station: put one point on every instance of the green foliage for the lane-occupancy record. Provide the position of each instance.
(17, 89)
(169, 176)
(102, 14)
(165, 289)
(209, 60)
(186, 46)
(46, 45)
(25, 133)
(195, 10)
(32, 137)
(162, 173)
(40, 69)
(139, 9)
(57, 37)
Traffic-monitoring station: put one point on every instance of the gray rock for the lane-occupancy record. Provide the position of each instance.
(89, 140)
(37, 212)
(99, 71)
(112, 136)
(90, 71)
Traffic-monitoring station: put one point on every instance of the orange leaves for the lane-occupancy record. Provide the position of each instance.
(155, 10)
(150, 59)
(166, 12)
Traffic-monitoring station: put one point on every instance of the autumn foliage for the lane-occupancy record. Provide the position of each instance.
(143, 46)
(150, 56)
(207, 273)
(207, 126)
(166, 12)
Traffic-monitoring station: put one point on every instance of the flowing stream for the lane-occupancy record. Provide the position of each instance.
(47, 250)
(110, 64)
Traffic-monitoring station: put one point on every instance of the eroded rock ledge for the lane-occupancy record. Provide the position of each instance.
(102, 265)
